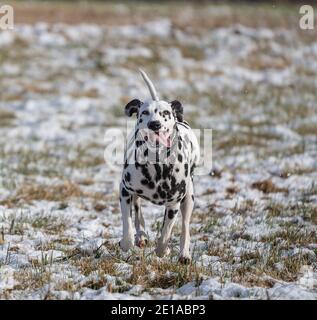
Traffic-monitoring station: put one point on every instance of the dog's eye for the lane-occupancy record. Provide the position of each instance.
(145, 112)
(166, 113)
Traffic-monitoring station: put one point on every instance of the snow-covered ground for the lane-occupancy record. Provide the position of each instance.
(254, 233)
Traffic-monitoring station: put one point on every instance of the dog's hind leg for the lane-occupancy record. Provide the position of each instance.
(140, 237)
(187, 207)
(169, 221)
(127, 241)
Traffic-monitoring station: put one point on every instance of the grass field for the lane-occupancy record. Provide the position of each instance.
(248, 72)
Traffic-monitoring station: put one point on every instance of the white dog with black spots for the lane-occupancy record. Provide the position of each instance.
(158, 166)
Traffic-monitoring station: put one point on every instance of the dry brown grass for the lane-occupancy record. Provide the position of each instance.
(260, 268)
(290, 236)
(34, 192)
(307, 129)
(149, 271)
(61, 192)
(88, 265)
(166, 273)
(34, 278)
(21, 224)
(196, 15)
(262, 59)
(267, 186)
(6, 117)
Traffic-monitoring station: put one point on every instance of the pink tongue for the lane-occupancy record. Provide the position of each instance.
(163, 138)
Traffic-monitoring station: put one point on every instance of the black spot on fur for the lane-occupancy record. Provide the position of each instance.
(192, 170)
(182, 187)
(145, 172)
(127, 177)
(163, 194)
(136, 133)
(165, 213)
(158, 171)
(144, 182)
(165, 186)
(186, 169)
(151, 185)
(167, 170)
(125, 186)
(128, 200)
(193, 197)
(139, 191)
(124, 192)
(155, 196)
(180, 157)
(171, 213)
(139, 143)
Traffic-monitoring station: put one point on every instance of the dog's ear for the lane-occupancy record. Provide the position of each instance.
(178, 110)
(132, 107)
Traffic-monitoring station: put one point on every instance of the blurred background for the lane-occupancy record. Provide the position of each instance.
(244, 69)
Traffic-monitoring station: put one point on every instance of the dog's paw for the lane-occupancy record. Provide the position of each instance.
(184, 260)
(141, 240)
(162, 252)
(125, 245)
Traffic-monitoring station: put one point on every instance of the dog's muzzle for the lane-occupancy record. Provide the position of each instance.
(154, 125)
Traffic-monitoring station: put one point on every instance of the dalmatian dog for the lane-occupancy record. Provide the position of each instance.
(159, 162)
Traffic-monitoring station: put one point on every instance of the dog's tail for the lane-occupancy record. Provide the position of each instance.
(150, 85)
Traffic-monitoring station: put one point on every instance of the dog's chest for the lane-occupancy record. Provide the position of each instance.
(158, 183)
(163, 181)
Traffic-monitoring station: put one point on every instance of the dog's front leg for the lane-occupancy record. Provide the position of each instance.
(187, 207)
(140, 237)
(127, 241)
(169, 221)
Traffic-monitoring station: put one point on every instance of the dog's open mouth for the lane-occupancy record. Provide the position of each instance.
(160, 137)
(155, 138)
(163, 138)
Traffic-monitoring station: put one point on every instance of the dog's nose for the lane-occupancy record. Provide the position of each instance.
(154, 125)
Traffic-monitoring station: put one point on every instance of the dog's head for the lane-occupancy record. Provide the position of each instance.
(156, 119)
